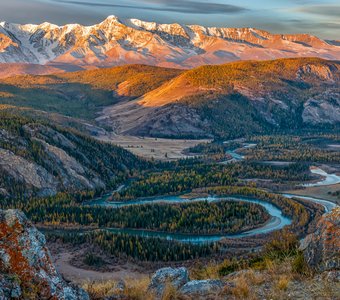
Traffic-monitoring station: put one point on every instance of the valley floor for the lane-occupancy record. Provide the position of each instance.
(68, 261)
(322, 192)
(157, 148)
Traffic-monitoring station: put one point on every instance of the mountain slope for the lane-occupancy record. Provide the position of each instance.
(83, 94)
(117, 42)
(225, 101)
(13, 69)
(235, 99)
(38, 158)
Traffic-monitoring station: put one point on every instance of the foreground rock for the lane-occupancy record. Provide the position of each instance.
(179, 279)
(322, 248)
(175, 278)
(26, 268)
(202, 288)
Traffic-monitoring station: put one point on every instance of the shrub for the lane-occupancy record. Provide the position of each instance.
(283, 244)
(93, 260)
(228, 266)
(299, 264)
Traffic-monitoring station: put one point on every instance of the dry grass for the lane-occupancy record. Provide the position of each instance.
(202, 272)
(255, 278)
(170, 293)
(137, 290)
(277, 280)
(100, 289)
(283, 283)
(133, 290)
(157, 148)
(241, 289)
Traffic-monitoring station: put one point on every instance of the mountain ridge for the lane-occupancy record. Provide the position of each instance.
(117, 41)
(234, 98)
(214, 101)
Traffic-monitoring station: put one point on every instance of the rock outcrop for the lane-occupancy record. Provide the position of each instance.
(202, 288)
(179, 279)
(322, 109)
(26, 268)
(322, 248)
(168, 276)
(42, 160)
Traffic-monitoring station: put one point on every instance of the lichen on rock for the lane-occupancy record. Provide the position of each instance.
(322, 248)
(26, 268)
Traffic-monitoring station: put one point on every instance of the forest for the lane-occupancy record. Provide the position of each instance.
(62, 210)
(105, 167)
(292, 148)
(196, 217)
(222, 217)
(183, 178)
(138, 248)
(59, 160)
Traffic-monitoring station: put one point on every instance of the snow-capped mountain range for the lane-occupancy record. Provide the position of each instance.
(115, 42)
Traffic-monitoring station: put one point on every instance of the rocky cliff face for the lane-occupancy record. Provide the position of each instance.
(37, 159)
(26, 270)
(322, 248)
(116, 41)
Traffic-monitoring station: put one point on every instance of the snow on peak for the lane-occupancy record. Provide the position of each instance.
(143, 24)
(117, 41)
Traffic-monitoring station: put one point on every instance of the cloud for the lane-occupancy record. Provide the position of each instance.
(177, 6)
(322, 10)
(41, 11)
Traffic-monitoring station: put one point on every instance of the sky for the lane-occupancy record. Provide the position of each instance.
(321, 18)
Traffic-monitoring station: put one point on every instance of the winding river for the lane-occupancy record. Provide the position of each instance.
(328, 179)
(278, 219)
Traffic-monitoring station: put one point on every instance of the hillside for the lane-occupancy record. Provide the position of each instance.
(40, 159)
(82, 94)
(223, 101)
(15, 69)
(235, 99)
(129, 41)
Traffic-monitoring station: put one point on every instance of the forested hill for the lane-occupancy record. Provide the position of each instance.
(237, 99)
(83, 94)
(41, 159)
(217, 101)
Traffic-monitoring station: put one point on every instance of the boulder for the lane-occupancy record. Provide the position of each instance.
(26, 268)
(322, 248)
(202, 288)
(168, 276)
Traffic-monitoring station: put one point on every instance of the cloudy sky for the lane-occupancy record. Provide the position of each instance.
(321, 18)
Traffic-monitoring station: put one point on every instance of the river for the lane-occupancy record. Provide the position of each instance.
(328, 179)
(277, 221)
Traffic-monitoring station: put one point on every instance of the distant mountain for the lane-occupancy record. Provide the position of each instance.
(83, 94)
(234, 100)
(116, 42)
(14, 69)
(222, 101)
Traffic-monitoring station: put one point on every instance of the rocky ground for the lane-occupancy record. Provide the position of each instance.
(69, 261)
